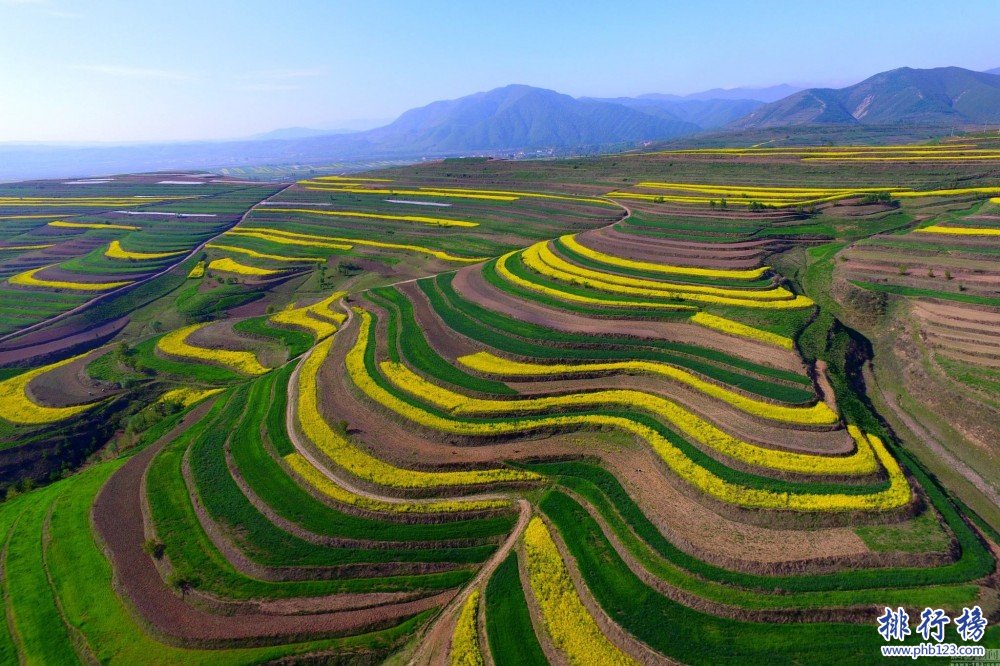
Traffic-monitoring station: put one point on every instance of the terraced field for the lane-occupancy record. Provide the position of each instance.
(571, 411)
(65, 244)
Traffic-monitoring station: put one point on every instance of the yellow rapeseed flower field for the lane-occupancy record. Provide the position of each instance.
(198, 270)
(336, 243)
(542, 261)
(784, 197)
(775, 191)
(116, 251)
(736, 328)
(569, 240)
(175, 344)
(327, 486)
(187, 396)
(573, 630)
(228, 265)
(541, 252)
(862, 462)
(946, 193)
(12, 248)
(28, 279)
(465, 649)
(262, 255)
(62, 224)
(922, 153)
(895, 496)
(317, 318)
(351, 179)
(817, 414)
(922, 157)
(288, 238)
(506, 274)
(960, 231)
(22, 410)
(520, 194)
(354, 459)
(383, 191)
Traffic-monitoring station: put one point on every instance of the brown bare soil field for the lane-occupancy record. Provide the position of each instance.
(855, 614)
(931, 439)
(963, 271)
(51, 341)
(918, 276)
(388, 438)
(701, 531)
(922, 261)
(738, 255)
(964, 350)
(252, 309)
(982, 342)
(832, 442)
(773, 434)
(301, 605)
(846, 208)
(966, 333)
(955, 315)
(668, 209)
(69, 385)
(117, 516)
(682, 518)
(929, 386)
(964, 244)
(471, 285)
(665, 278)
(220, 335)
(930, 256)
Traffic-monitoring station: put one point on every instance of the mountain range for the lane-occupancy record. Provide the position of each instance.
(523, 120)
(941, 96)
(519, 117)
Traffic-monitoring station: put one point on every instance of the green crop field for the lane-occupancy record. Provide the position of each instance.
(681, 405)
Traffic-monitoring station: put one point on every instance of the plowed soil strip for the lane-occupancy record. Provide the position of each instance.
(117, 516)
(18, 352)
(469, 283)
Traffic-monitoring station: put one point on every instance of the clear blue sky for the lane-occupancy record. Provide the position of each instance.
(115, 70)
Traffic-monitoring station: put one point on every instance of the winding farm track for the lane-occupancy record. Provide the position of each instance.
(117, 515)
(291, 418)
(432, 649)
(118, 518)
(137, 283)
(437, 636)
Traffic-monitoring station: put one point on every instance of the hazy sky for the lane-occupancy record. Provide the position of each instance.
(116, 70)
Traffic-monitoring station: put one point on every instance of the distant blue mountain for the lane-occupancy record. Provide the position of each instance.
(706, 114)
(766, 94)
(295, 133)
(941, 96)
(520, 118)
